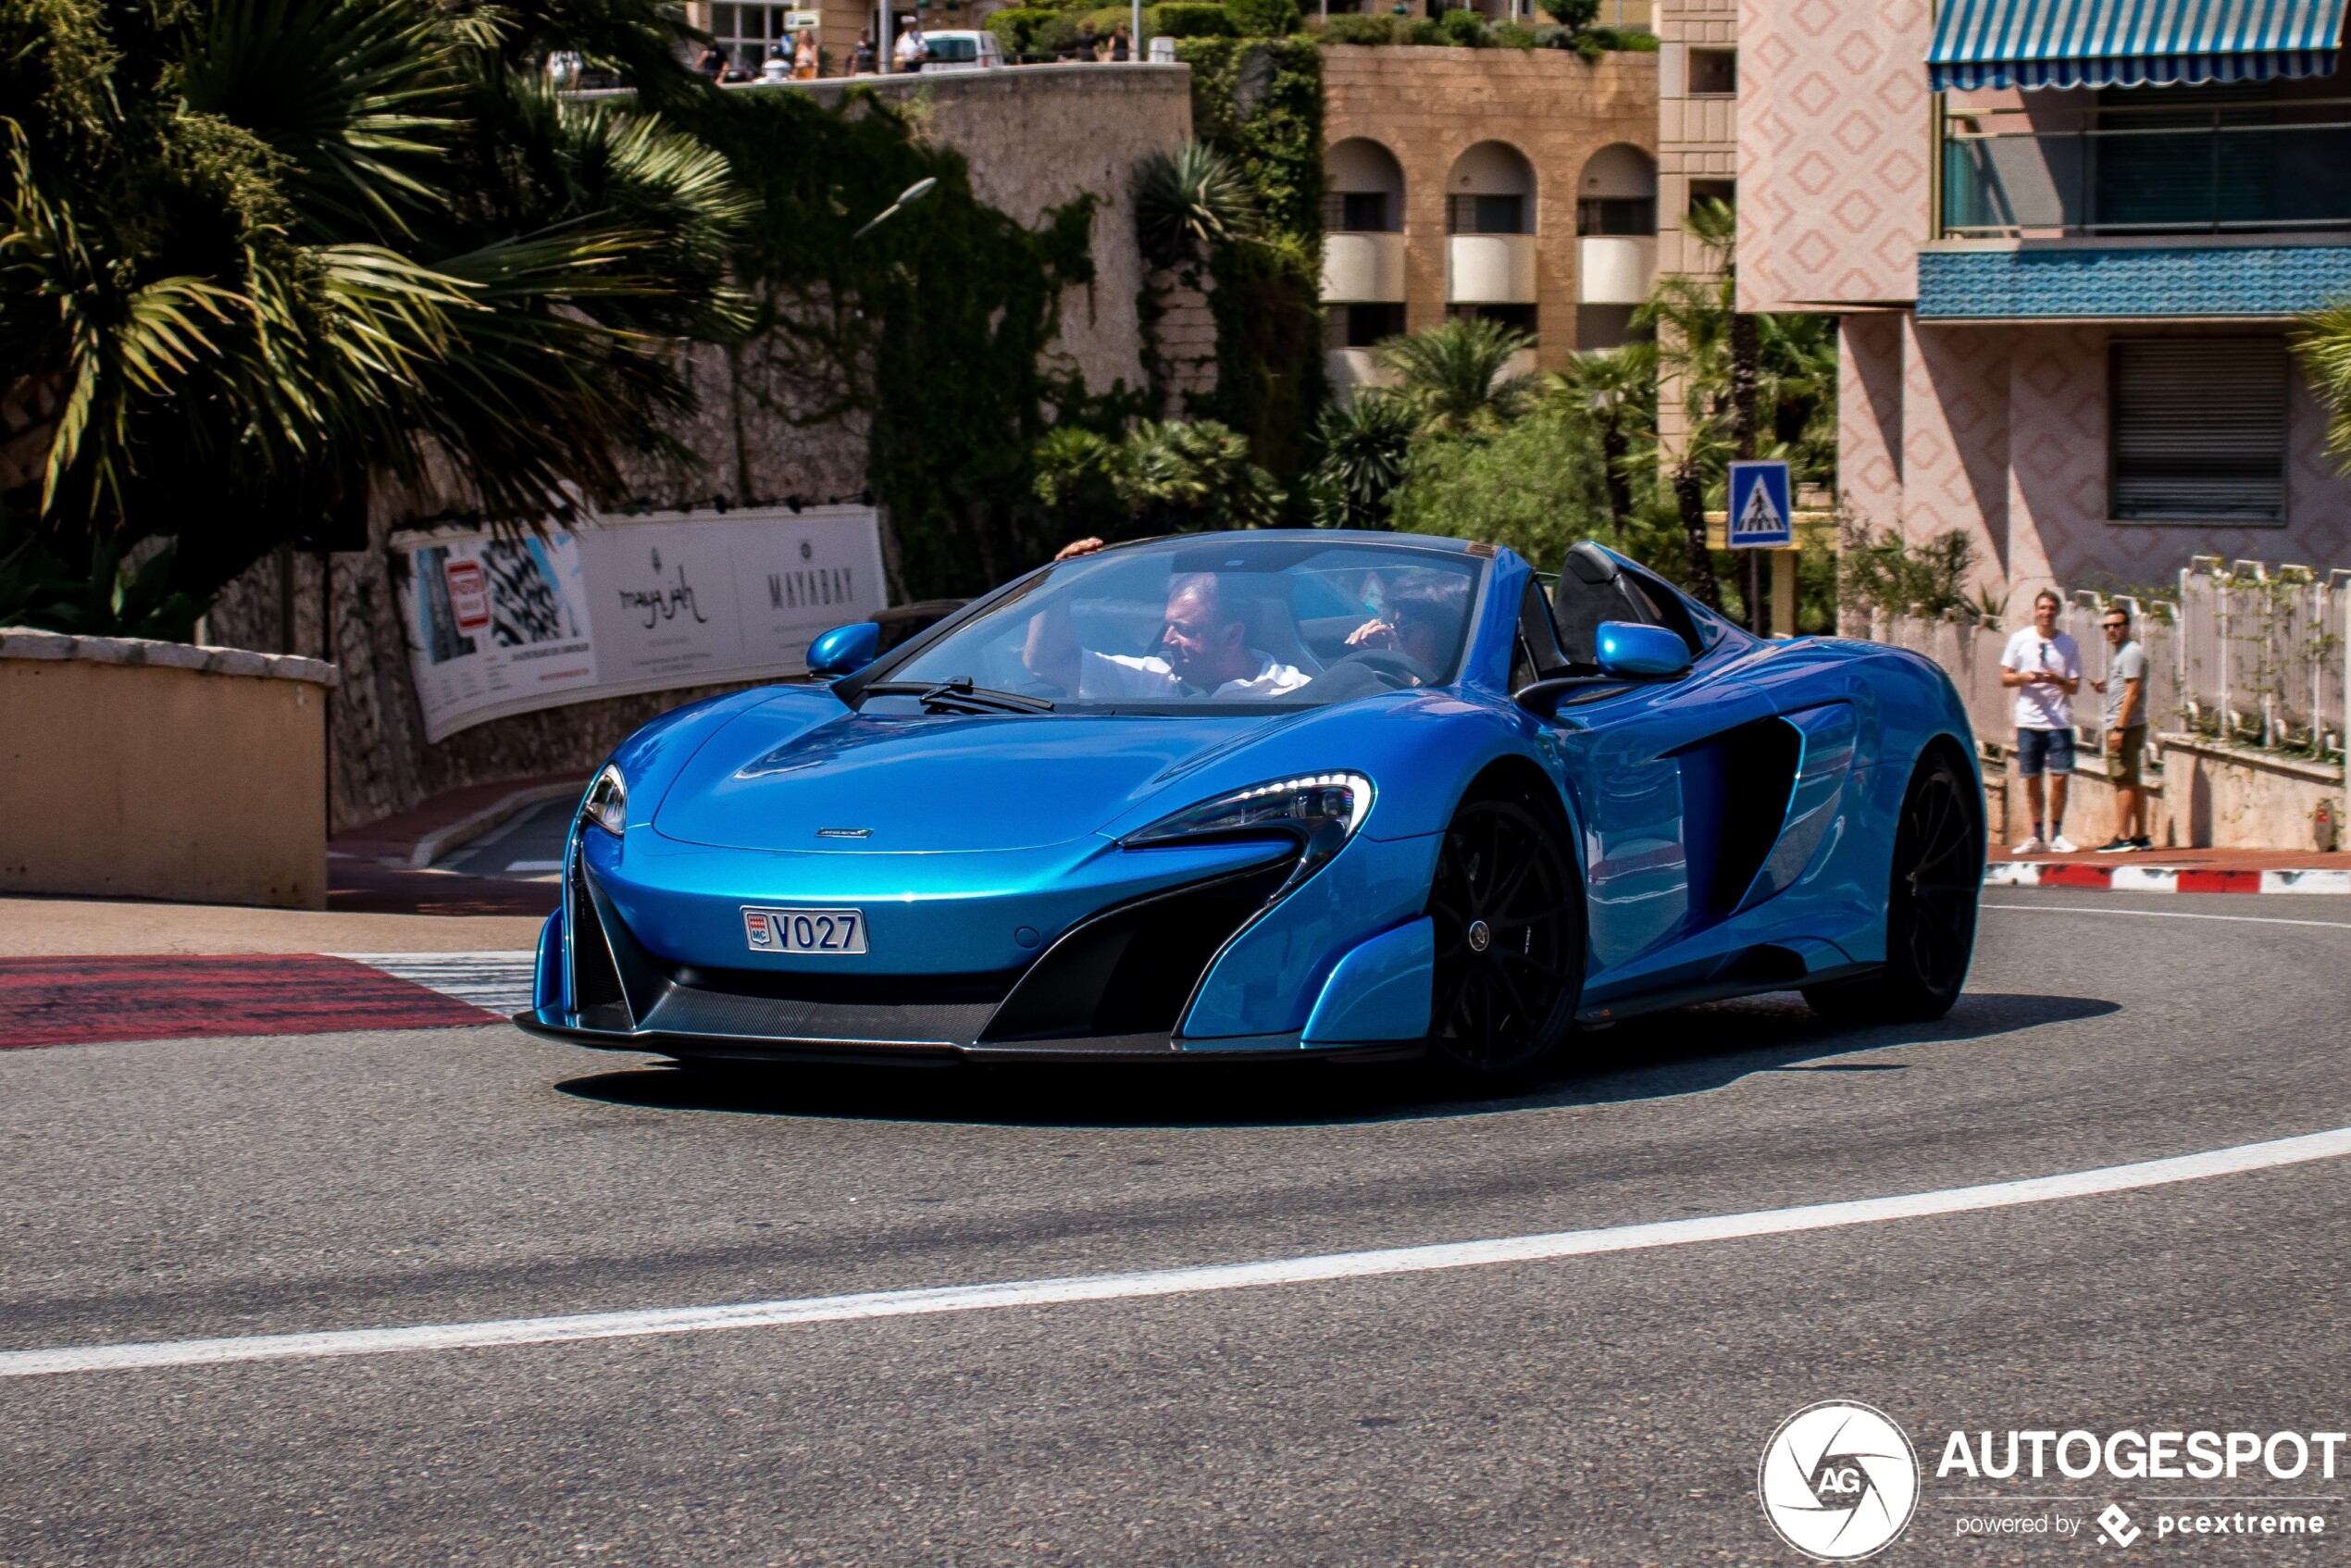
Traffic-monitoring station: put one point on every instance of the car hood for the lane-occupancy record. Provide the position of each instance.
(776, 777)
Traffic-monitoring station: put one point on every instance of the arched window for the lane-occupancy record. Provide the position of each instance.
(1490, 191)
(1363, 189)
(1617, 193)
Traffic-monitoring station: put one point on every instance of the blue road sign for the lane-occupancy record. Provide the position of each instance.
(1761, 514)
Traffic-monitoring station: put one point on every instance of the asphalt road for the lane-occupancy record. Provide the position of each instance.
(1607, 1409)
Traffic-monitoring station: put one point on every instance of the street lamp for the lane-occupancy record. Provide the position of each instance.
(913, 193)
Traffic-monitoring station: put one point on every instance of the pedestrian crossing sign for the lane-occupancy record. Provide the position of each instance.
(1759, 513)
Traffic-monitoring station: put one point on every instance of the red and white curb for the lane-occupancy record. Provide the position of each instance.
(2161, 879)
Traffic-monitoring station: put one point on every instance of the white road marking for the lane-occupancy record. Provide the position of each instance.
(498, 981)
(2171, 915)
(534, 866)
(1176, 1281)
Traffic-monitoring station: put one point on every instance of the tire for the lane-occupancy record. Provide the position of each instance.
(1930, 905)
(1508, 902)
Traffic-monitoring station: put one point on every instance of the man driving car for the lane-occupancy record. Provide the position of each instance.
(1203, 644)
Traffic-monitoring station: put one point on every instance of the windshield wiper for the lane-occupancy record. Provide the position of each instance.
(960, 696)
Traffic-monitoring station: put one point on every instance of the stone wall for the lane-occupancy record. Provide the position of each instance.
(1034, 139)
(1427, 105)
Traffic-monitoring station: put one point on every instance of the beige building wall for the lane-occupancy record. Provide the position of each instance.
(1427, 105)
(1697, 131)
(127, 779)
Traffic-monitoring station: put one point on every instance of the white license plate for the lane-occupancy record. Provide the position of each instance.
(805, 930)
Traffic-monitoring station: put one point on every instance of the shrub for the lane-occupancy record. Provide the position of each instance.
(1573, 15)
(1510, 35)
(1376, 27)
(1264, 18)
(1016, 30)
(1624, 40)
(1464, 28)
(1420, 30)
(1187, 18)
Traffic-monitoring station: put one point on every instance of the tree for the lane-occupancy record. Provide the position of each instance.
(1366, 444)
(2323, 344)
(1174, 475)
(1535, 487)
(1188, 202)
(1617, 387)
(1456, 377)
(253, 251)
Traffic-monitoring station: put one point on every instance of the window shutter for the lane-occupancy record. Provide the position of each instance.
(2199, 431)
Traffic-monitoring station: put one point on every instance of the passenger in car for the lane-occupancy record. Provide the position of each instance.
(1205, 652)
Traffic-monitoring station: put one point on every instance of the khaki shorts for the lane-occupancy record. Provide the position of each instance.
(2125, 764)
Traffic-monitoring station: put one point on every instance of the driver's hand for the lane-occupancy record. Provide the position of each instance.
(1374, 634)
(1078, 547)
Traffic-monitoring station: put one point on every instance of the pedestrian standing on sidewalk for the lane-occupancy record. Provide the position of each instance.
(861, 59)
(2124, 689)
(2045, 666)
(911, 50)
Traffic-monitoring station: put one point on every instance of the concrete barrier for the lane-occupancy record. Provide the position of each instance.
(139, 769)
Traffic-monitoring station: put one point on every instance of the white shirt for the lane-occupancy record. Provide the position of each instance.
(1117, 676)
(2044, 706)
(910, 46)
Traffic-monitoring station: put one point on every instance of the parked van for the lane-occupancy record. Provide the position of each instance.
(961, 51)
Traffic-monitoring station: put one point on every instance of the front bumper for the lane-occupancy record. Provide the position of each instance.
(619, 972)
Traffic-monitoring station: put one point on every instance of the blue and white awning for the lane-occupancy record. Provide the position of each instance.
(2130, 42)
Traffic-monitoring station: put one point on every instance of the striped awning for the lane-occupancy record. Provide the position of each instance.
(2130, 42)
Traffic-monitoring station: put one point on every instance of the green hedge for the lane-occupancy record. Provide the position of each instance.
(1265, 19)
(1187, 18)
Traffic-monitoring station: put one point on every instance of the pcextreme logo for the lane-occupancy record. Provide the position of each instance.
(1838, 1481)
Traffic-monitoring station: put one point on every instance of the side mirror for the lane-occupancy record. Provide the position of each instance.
(845, 650)
(1641, 653)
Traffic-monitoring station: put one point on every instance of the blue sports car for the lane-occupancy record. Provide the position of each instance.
(1274, 794)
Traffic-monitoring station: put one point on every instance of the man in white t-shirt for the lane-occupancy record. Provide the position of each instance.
(2044, 666)
(1204, 652)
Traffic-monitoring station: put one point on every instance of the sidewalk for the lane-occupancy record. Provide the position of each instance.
(2175, 871)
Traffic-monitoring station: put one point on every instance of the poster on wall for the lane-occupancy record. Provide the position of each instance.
(622, 604)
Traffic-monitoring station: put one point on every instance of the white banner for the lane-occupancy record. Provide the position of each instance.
(499, 627)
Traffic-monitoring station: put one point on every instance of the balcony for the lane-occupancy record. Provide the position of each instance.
(2230, 169)
(1362, 268)
(1489, 269)
(1614, 268)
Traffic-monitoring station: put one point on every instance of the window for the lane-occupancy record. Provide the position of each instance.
(1485, 215)
(745, 33)
(1357, 212)
(1519, 316)
(1362, 326)
(1616, 215)
(2197, 430)
(1604, 325)
(1714, 73)
(1723, 191)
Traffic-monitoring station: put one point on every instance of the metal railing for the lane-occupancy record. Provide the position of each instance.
(2250, 654)
(2241, 169)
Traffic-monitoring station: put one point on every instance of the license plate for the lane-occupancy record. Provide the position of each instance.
(805, 930)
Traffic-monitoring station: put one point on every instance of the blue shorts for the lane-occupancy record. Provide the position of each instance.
(2044, 750)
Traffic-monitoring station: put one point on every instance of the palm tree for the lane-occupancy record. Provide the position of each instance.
(1616, 388)
(1456, 378)
(2323, 344)
(1188, 202)
(306, 240)
(1364, 442)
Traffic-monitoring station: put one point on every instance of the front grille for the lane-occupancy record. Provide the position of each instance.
(684, 1012)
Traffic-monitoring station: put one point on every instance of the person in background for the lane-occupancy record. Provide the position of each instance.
(910, 51)
(710, 64)
(1088, 46)
(805, 62)
(2124, 689)
(861, 59)
(2044, 666)
(1118, 49)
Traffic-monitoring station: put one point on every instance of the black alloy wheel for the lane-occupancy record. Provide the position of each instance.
(1930, 908)
(1508, 909)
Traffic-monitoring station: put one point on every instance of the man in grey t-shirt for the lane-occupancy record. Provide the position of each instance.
(2124, 689)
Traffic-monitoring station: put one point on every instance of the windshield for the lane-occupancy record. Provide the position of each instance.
(953, 48)
(1217, 623)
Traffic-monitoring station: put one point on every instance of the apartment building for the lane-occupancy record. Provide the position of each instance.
(1516, 185)
(2067, 242)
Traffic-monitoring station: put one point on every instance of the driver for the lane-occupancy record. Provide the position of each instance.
(1204, 645)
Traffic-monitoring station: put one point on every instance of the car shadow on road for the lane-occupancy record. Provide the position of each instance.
(1688, 1051)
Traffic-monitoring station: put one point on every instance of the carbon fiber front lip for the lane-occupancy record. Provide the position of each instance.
(575, 1030)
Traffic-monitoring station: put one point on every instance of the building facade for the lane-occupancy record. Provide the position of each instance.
(1517, 185)
(2066, 291)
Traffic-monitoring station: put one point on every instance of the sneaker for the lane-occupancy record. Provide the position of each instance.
(2115, 846)
(2030, 846)
(2063, 845)
(2142, 842)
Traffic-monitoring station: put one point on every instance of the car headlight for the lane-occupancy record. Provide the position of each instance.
(606, 802)
(1321, 810)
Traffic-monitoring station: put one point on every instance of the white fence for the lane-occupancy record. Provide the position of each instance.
(2248, 653)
